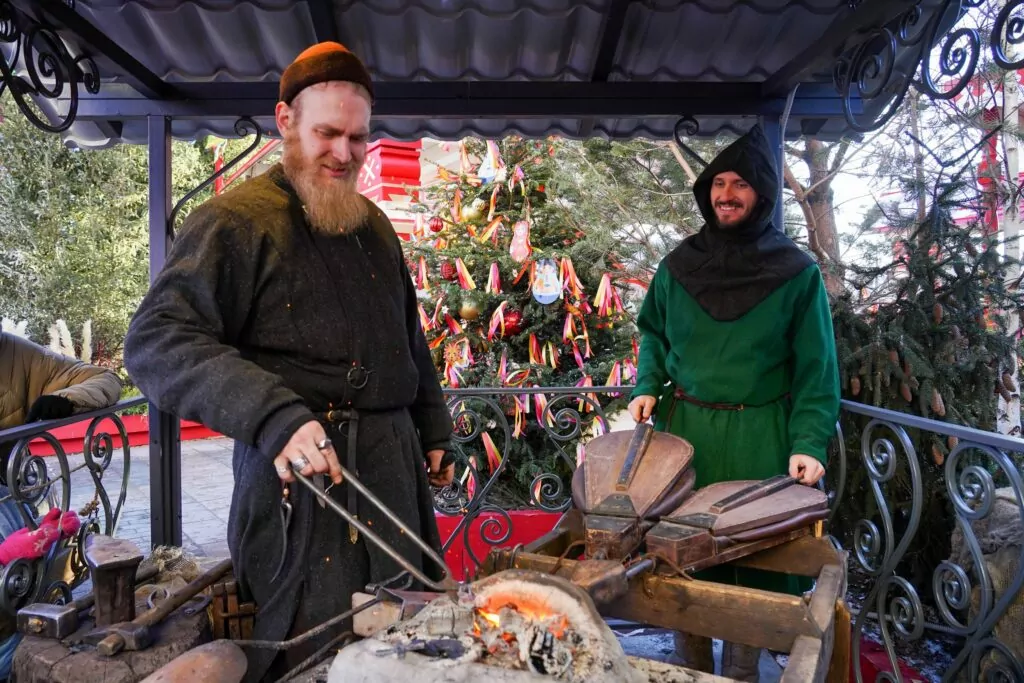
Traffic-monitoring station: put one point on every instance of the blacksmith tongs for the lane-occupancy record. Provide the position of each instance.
(369, 534)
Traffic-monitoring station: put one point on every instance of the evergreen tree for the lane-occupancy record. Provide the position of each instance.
(512, 296)
(927, 333)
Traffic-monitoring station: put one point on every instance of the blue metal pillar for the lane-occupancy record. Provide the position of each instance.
(773, 131)
(164, 429)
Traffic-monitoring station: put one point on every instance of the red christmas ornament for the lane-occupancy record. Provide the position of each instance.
(436, 224)
(513, 323)
(448, 271)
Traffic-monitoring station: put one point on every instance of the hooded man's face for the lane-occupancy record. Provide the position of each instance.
(732, 198)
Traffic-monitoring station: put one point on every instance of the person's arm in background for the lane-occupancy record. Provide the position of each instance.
(60, 386)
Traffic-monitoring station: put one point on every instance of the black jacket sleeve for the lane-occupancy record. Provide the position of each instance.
(429, 411)
(179, 348)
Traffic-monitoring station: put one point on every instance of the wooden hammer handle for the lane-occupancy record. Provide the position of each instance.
(113, 643)
(167, 606)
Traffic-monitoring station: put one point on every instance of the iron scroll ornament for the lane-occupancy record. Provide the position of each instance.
(881, 68)
(52, 71)
(243, 126)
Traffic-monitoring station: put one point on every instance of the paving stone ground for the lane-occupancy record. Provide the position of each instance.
(206, 484)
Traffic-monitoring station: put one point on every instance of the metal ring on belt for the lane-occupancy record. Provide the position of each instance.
(357, 376)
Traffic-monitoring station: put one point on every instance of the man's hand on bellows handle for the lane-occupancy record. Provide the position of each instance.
(642, 407)
(309, 448)
(805, 469)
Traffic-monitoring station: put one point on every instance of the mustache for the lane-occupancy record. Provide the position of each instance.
(340, 167)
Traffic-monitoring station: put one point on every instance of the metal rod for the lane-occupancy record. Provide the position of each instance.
(639, 567)
(315, 657)
(311, 633)
(377, 540)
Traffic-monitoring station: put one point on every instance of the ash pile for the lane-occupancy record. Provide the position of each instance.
(515, 626)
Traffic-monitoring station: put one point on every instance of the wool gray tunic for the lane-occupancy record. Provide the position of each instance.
(256, 325)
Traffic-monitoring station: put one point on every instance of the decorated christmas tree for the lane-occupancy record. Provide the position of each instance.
(511, 296)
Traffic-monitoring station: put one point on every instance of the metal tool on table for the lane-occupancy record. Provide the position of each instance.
(371, 535)
(136, 634)
(728, 520)
(47, 620)
(113, 566)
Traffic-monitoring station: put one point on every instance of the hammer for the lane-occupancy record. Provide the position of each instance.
(137, 634)
(47, 620)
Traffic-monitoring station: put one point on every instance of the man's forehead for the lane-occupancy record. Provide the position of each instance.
(728, 176)
(335, 99)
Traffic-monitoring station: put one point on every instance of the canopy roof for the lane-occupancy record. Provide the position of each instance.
(449, 68)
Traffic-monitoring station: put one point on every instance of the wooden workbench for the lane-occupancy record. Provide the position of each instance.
(815, 632)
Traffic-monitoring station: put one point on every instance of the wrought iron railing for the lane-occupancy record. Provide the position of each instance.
(37, 484)
(980, 468)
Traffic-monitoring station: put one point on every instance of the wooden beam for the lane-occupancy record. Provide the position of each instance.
(734, 613)
(808, 661)
(839, 666)
(805, 556)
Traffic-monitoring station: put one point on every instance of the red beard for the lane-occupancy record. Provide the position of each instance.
(333, 207)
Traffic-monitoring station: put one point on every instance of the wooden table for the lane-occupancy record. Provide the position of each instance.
(814, 632)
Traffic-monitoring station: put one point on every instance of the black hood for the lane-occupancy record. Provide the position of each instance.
(729, 271)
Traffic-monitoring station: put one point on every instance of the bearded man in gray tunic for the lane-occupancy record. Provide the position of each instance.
(286, 319)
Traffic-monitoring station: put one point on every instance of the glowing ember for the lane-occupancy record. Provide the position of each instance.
(491, 617)
(514, 627)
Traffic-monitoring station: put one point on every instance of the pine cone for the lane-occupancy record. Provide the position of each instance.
(1008, 383)
(894, 357)
(952, 442)
(937, 455)
(905, 392)
(855, 385)
(1007, 396)
(937, 312)
(938, 407)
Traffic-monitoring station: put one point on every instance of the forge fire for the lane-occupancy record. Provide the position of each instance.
(514, 626)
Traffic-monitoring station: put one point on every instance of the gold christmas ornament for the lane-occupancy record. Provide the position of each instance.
(469, 310)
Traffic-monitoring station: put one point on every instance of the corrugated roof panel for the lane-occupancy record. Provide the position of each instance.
(682, 41)
(717, 41)
(205, 40)
(441, 40)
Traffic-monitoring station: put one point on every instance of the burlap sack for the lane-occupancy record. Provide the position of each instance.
(1000, 536)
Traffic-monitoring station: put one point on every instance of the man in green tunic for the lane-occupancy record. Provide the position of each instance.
(737, 354)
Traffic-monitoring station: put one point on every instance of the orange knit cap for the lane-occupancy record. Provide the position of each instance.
(327, 61)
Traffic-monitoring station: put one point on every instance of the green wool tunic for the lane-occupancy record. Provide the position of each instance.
(778, 360)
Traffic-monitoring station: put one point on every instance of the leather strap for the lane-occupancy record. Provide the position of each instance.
(337, 419)
(681, 395)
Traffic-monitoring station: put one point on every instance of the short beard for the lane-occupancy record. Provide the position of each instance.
(332, 207)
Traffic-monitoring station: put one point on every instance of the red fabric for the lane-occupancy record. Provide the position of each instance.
(24, 544)
(874, 660)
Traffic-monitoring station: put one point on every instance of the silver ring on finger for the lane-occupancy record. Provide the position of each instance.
(300, 463)
(323, 445)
